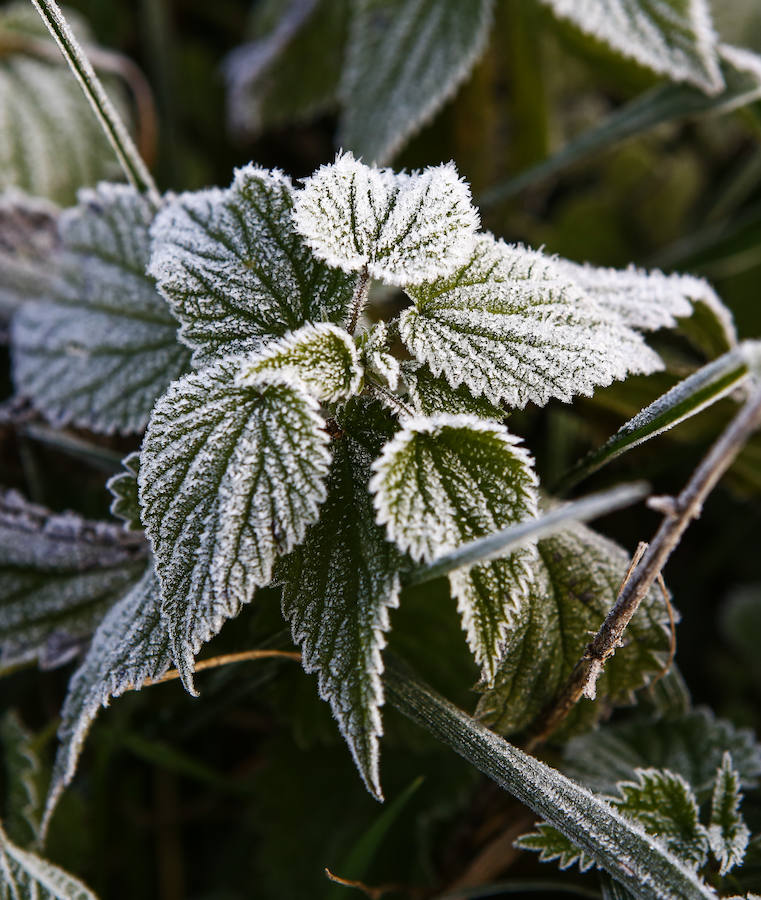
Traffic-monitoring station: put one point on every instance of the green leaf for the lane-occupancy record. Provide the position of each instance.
(404, 61)
(230, 478)
(401, 228)
(553, 846)
(577, 580)
(339, 587)
(380, 364)
(430, 395)
(100, 350)
(22, 770)
(123, 487)
(510, 326)
(674, 38)
(692, 745)
(322, 357)
(448, 479)
(234, 269)
(130, 646)
(59, 574)
(728, 834)
(25, 875)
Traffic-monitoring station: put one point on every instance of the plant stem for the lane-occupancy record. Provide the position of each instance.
(224, 660)
(678, 513)
(358, 300)
(134, 168)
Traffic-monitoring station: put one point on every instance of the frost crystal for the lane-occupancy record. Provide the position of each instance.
(404, 228)
(728, 834)
(445, 480)
(511, 326)
(323, 357)
(230, 478)
(234, 269)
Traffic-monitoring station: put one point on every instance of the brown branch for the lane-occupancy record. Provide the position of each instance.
(374, 893)
(678, 514)
(224, 660)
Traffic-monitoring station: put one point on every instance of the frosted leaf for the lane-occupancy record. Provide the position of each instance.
(26, 876)
(403, 228)
(50, 142)
(22, 769)
(377, 358)
(103, 347)
(430, 394)
(576, 582)
(404, 61)
(234, 269)
(728, 834)
(339, 586)
(674, 38)
(322, 357)
(123, 487)
(510, 326)
(445, 480)
(130, 646)
(59, 574)
(230, 478)
(552, 846)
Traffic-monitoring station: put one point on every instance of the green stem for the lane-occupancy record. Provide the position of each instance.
(134, 168)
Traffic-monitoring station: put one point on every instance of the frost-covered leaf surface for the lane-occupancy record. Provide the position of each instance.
(339, 587)
(405, 59)
(445, 480)
(511, 326)
(103, 347)
(728, 834)
(380, 364)
(123, 488)
(403, 228)
(430, 394)
(576, 582)
(552, 846)
(130, 646)
(234, 269)
(692, 745)
(230, 478)
(26, 876)
(675, 38)
(59, 574)
(22, 801)
(322, 357)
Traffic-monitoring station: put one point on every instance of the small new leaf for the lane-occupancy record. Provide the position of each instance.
(376, 357)
(21, 807)
(230, 478)
(551, 846)
(511, 326)
(728, 834)
(234, 269)
(448, 479)
(401, 228)
(123, 487)
(322, 357)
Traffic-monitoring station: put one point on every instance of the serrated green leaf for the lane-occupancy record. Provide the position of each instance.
(26, 876)
(553, 846)
(339, 587)
(430, 395)
(123, 488)
(577, 580)
(674, 38)
(234, 269)
(103, 347)
(511, 327)
(230, 478)
(130, 646)
(692, 745)
(728, 834)
(59, 574)
(376, 356)
(404, 61)
(322, 357)
(448, 479)
(401, 228)
(22, 806)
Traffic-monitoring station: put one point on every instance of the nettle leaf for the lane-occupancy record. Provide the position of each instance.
(322, 357)
(230, 478)
(130, 646)
(59, 574)
(404, 61)
(339, 587)
(25, 875)
(445, 480)
(552, 846)
(728, 834)
(380, 364)
(401, 228)
(123, 487)
(692, 745)
(100, 350)
(674, 38)
(234, 269)
(576, 582)
(21, 808)
(510, 326)
(430, 394)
